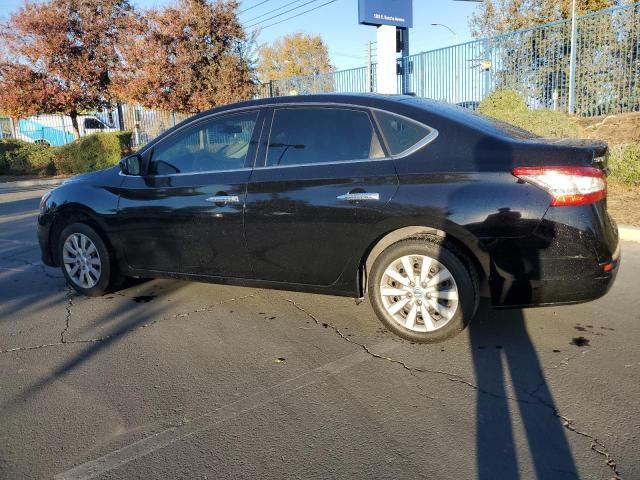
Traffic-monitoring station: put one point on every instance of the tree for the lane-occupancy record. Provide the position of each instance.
(187, 58)
(499, 16)
(293, 56)
(59, 56)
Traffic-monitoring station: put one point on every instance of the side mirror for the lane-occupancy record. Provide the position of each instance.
(131, 165)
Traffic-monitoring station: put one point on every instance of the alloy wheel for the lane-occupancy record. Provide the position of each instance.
(81, 260)
(419, 293)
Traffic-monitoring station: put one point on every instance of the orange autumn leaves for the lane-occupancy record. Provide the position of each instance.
(66, 56)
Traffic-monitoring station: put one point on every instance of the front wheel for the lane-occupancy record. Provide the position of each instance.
(85, 260)
(422, 290)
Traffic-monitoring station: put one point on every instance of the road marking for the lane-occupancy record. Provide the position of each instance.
(11, 217)
(17, 242)
(23, 270)
(162, 439)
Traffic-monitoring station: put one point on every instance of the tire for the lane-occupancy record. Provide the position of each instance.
(85, 260)
(434, 306)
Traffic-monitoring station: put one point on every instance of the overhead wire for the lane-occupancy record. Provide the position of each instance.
(293, 16)
(283, 13)
(253, 6)
(272, 11)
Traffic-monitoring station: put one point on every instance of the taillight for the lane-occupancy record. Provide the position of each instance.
(567, 185)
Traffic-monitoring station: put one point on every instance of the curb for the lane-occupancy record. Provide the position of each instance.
(629, 234)
(30, 183)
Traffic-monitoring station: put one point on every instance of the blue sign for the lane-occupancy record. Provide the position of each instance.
(398, 13)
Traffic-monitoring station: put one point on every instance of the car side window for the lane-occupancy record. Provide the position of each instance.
(221, 143)
(319, 134)
(92, 123)
(400, 133)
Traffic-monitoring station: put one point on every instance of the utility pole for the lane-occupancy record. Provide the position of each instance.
(369, 67)
(405, 63)
(572, 64)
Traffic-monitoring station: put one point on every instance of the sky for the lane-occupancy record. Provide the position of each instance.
(337, 23)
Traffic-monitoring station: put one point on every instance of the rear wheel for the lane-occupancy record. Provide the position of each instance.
(422, 290)
(85, 260)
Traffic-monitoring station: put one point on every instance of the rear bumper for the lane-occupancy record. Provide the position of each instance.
(564, 281)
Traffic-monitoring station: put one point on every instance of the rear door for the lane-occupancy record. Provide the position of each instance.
(186, 214)
(321, 179)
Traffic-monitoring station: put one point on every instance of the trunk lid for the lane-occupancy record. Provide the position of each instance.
(589, 152)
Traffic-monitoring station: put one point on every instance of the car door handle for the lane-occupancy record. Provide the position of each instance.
(359, 196)
(224, 199)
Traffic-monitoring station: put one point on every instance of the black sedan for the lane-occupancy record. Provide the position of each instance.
(425, 207)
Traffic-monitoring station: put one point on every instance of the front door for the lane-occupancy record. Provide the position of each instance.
(321, 180)
(186, 214)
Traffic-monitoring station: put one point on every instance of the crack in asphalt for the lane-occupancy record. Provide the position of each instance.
(453, 377)
(596, 445)
(204, 309)
(56, 344)
(567, 423)
(70, 296)
(564, 362)
(64, 341)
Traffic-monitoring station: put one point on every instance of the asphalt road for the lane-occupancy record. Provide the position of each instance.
(169, 379)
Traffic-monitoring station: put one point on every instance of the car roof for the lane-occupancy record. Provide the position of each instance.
(368, 100)
(361, 99)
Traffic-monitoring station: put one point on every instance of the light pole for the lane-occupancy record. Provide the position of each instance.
(572, 62)
(455, 35)
(456, 66)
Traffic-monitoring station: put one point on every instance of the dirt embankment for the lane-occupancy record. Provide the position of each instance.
(623, 200)
(613, 129)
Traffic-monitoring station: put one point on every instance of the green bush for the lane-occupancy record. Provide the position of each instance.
(63, 160)
(7, 145)
(25, 158)
(624, 162)
(510, 107)
(100, 150)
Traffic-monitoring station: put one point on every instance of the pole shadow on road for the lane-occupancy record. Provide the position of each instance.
(501, 345)
(496, 355)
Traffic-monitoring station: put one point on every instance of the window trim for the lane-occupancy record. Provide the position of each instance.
(248, 160)
(267, 108)
(262, 159)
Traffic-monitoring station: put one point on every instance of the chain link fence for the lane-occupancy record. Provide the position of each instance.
(535, 62)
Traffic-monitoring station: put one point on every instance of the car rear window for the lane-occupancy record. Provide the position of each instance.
(472, 118)
(401, 133)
